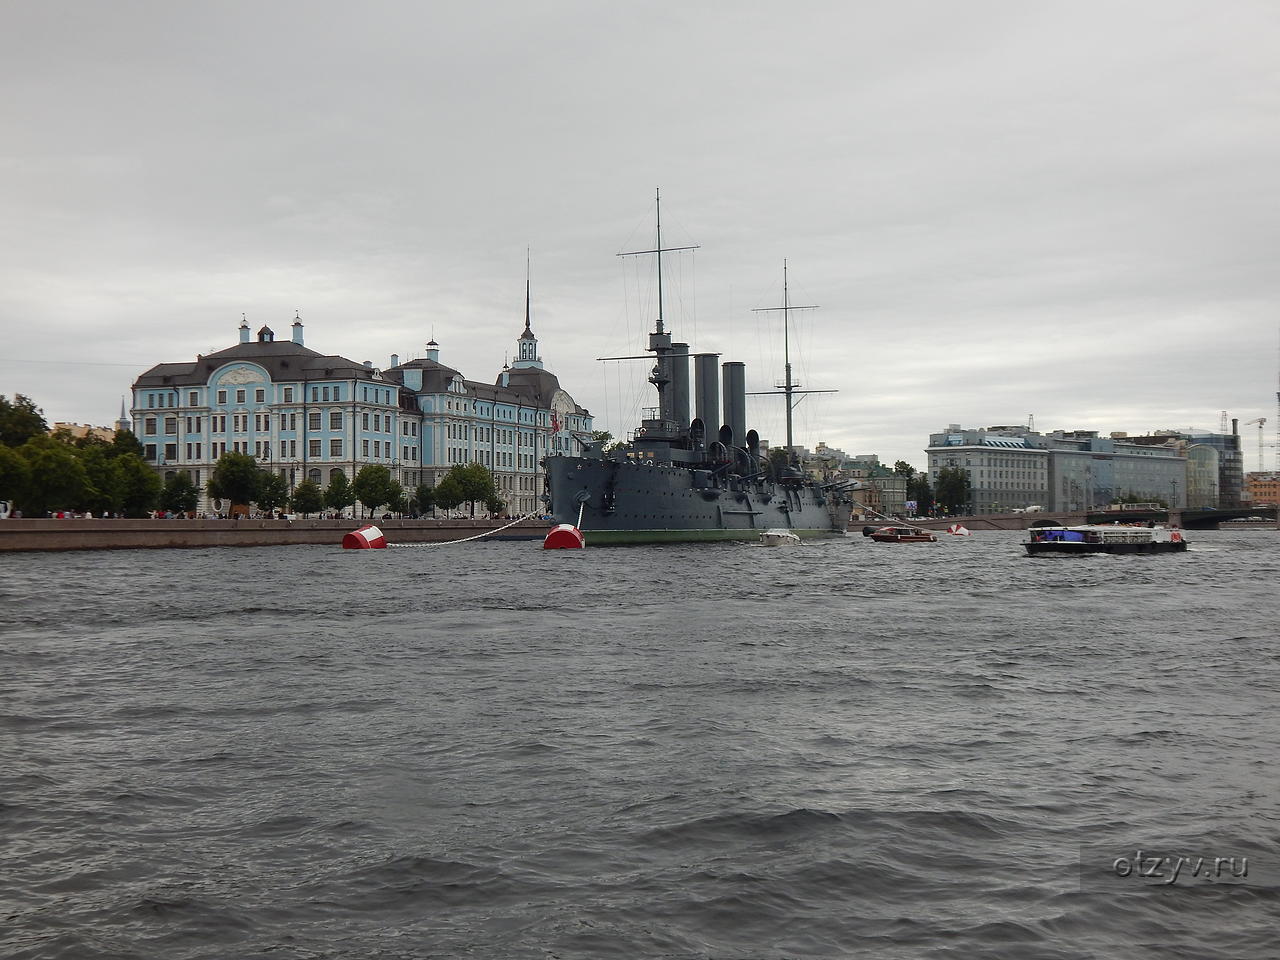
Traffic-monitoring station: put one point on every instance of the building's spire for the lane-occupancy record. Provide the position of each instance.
(528, 343)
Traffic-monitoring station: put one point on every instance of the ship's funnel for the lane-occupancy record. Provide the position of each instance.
(706, 384)
(680, 384)
(735, 398)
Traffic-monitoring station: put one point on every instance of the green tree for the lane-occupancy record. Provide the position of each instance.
(15, 475)
(449, 493)
(124, 442)
(339, 495)
(179, 494)
(424, 497)
(139, 485)
(904, 469)
(90, 441)
(273, 490)
(476, 483)
(105, 494)
(495, 505)
(372, 486)
(308, 498)
(918, 489)
(235, 477)
(952, 490)
(398, 503)
(57, 480)
(20, 420)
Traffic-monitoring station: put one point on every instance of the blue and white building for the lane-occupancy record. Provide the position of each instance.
(310, 415)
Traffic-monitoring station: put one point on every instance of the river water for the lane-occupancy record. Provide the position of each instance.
(712, 751)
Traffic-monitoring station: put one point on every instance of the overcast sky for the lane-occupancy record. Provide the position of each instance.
(1001, 208)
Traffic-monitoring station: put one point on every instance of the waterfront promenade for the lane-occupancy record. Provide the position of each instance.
(110, 534)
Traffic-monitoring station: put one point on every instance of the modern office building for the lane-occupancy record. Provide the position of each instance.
(1230, 462)
(1013, 467)
(311, 415)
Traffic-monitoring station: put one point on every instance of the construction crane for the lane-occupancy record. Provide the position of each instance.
(1261, 422)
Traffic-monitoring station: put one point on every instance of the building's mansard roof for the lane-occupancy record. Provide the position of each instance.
(534, 384)
(529, 386)
(287, 361)
(436, 377)
(283, 360)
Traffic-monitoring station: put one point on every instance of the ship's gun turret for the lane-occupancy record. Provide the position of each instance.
(592, 449)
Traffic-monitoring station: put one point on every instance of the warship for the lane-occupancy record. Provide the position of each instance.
(691, 479)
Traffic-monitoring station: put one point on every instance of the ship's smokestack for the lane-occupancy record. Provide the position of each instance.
(680, 384)
(706, 384)
(735, 399)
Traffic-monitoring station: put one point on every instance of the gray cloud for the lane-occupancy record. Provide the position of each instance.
(1001, 208)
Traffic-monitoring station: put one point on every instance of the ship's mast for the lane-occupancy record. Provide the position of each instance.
(788, 386)
(657, 207)
(660, 340)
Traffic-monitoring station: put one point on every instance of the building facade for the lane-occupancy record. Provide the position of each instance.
(1263, 488)
(1013, 467)
(79, 431)
(1006, 469)
(308, 415)
(1230, 459)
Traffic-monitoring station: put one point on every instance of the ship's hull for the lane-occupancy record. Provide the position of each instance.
(1069, 549)
(615, 502)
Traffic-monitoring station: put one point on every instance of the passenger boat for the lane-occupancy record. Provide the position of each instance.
(1057, 540)
(899, 535)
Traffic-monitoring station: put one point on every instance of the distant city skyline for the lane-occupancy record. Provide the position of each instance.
(1000, 210)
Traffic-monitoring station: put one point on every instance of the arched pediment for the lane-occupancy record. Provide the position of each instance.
(241, 373)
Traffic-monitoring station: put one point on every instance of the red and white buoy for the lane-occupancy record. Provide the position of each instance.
(366, 538)
(564, 536)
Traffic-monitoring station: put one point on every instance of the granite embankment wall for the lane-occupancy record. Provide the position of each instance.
(151, 534)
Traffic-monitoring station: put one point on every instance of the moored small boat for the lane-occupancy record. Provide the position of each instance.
(899, 535)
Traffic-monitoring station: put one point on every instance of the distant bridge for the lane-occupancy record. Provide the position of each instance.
(1187, 519)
